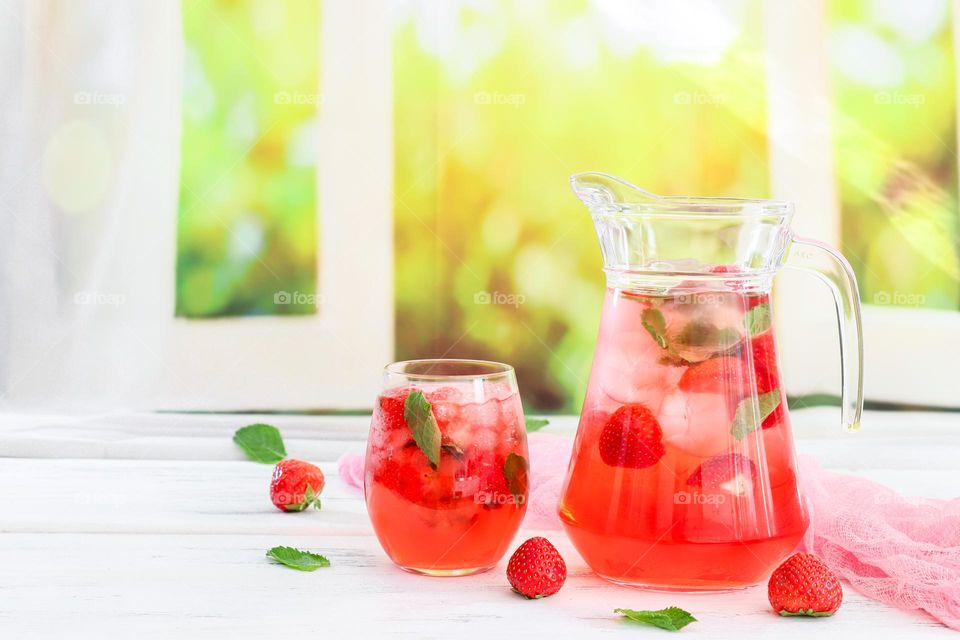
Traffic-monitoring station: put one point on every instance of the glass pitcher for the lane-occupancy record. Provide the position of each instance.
(683, 473)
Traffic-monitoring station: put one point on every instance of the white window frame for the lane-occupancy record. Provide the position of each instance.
(909, 354)
(333, 359)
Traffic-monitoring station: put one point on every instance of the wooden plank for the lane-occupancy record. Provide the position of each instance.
(163, 586)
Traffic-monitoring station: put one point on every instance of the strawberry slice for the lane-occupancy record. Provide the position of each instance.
(409, 474)
(764, 362)
(493, 488)
(730, 472)
(732, 375)
(631, 438)
(755, 299)
(716, 375)
(400, 478)
(391, 408)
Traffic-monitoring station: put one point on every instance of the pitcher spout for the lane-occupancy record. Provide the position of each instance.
(601, 189)
(642, 232)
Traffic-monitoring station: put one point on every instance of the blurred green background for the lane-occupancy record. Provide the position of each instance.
(247, 230)
(895, 141)
(496, 104)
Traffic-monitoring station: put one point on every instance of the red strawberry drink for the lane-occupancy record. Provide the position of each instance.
(446, 468)
(683, 472)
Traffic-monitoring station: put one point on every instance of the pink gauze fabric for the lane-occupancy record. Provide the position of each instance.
(902, 551)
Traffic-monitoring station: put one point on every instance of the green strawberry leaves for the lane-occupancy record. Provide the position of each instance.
(671, 618)
(757, 320)
(745, 421)
(535, 424)
(515, 469)
(807, 612)
(418, 414)
(297, 559)
(261, 443)
(310, 498)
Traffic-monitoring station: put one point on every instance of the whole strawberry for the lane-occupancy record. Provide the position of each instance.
(631, 438)
(804, 586)
(296, 485)
(536, 569)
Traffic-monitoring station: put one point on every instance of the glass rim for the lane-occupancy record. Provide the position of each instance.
(494, 369)
(702, 208)
(609, 196)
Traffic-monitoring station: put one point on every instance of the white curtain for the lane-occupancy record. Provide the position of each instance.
(89, 105)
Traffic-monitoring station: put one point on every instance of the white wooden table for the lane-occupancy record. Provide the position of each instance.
(146, 526)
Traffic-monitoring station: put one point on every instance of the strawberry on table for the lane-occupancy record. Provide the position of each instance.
(296, 485)
(804, 586)
(632, 438)
(536, 569)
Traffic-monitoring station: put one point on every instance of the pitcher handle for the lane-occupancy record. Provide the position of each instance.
(831, 267)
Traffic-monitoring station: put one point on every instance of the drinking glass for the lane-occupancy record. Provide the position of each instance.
(446, 466)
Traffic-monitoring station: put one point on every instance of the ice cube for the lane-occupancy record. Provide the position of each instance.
(497, 389)
(698, 423)
(702, 323)
(445, 393)
(483, 415)
(630, 370)
(446, 413)
(485, 439)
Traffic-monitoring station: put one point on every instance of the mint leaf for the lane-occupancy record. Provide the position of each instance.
(535, 424)
(744, 421)
(671, 618)
(757, 320)
(654, 322)
(297, 559)
(418, 414)
(261, 443)
(698, 333)
(515, 469)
